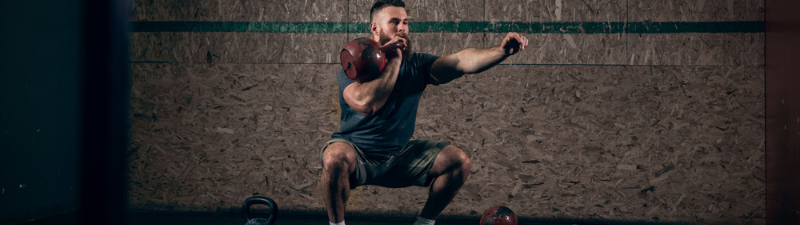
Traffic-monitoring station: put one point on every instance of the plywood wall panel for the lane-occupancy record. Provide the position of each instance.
(667, 143)
(239, 10)
(161, 47)
(248, 48)
(312, 48)
(425, 10)
(556, 10)
(207, 47)
(694, 11)
(166, 10)
(658, 127)
(738, 49)
(567, 48)
(620, 143)
(206, 136)
(213, 47)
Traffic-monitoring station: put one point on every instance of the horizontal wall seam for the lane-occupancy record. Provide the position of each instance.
(456, 27)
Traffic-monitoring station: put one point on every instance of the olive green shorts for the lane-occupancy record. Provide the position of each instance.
(408, 167)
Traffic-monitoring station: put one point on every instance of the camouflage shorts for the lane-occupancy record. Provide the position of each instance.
(408, 167)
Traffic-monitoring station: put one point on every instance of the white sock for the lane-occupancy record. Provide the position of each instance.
(423, 221)
(342, 223)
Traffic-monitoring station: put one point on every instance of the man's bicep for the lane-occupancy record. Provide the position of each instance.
(445, 69)
(350, 94)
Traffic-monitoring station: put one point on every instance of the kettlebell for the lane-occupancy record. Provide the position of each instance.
(273, 210)
(363, 58)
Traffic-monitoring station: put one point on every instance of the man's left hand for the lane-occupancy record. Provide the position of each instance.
(513, 43)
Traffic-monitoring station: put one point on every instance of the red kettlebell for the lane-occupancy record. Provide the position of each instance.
(363, 58)
(499, 215)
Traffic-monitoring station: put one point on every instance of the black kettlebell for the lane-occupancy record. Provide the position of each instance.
(273, 210)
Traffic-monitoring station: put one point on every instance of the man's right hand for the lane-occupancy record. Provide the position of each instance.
(398, 52)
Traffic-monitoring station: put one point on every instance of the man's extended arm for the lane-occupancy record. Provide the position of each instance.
(473, 60)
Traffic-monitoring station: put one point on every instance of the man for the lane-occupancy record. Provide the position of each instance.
(378, 117)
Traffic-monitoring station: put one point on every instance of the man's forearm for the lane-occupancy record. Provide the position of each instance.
(373, 94)
(473, 60)
(467, 61)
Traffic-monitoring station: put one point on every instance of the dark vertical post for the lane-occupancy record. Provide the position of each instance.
(783, 111)
(105, 112)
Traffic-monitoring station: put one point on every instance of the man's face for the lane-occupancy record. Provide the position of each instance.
(390, 21)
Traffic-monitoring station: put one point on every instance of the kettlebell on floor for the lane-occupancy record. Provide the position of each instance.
(273, 210)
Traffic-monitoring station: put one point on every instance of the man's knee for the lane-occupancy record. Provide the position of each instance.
(460, 163)
(338, 158)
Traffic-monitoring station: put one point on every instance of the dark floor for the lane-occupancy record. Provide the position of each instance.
(140, 217)
(202, 218)
(149, 218)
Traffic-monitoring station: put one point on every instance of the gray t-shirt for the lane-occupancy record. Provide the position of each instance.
(389, 129)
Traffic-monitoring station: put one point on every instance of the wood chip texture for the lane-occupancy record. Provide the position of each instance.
(600, 127)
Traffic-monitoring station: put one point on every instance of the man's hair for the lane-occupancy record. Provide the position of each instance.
(380, 4)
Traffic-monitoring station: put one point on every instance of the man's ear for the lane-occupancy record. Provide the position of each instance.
(373, 27)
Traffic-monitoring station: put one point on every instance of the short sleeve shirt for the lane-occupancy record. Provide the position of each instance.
(389, 129)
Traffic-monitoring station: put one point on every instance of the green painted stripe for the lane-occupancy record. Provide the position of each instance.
(522, 27)
(697, 27)
(456, 27)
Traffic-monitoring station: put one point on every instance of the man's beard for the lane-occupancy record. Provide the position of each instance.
(409, 44)
(407, 52)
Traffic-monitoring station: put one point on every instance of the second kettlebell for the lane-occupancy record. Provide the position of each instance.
(273, 208)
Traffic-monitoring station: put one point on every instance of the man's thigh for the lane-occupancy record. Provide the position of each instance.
(409, 167)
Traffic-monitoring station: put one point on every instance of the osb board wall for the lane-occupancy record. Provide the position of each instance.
(589, 127)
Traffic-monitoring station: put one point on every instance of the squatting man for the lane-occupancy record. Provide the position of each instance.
(373, 146)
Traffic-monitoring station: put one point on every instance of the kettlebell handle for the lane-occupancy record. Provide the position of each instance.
(387, 49)
(273, 208)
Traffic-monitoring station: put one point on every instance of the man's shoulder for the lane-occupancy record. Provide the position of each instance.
(423, 59)
(342, 79)
(423, 54)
